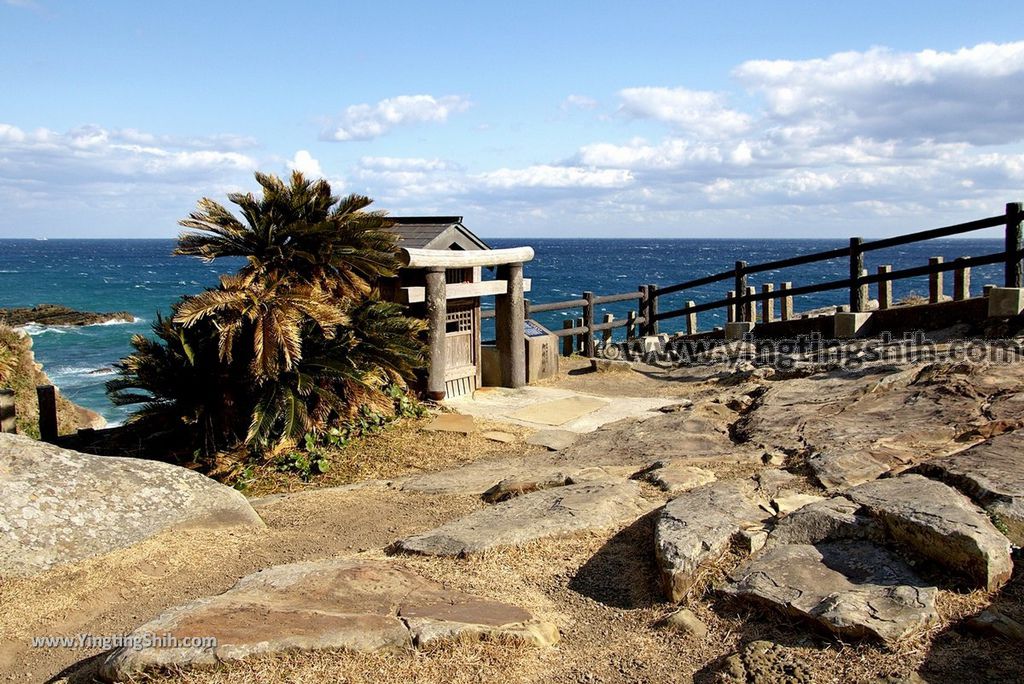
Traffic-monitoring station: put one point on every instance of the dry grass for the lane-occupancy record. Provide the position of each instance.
(403, 448)
(601, 590)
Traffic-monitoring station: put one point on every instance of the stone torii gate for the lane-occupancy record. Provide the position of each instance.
(509, 306)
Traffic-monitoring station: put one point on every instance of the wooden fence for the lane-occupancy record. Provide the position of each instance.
(741, 302)
(47, 397)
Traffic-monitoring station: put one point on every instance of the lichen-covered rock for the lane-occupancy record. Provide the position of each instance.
(547, 513)
(59, 506)
(941, 524)
(357, 605)
(762, 662)
(853, 588)
(698, 526)
(992, 474)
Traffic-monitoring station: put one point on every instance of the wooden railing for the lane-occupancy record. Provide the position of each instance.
(741, 302)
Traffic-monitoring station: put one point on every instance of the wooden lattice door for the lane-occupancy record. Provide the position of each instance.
(460, 349)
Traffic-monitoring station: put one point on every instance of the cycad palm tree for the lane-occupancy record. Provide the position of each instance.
(299, 231)
(298, 336)
(273, 312)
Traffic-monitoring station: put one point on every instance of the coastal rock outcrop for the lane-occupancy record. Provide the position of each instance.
(548, 513)
(855, 425)
(60, 506)
(356, 605)
(56, 314)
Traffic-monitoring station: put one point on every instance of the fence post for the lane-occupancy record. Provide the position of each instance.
(631, 325)
(652, 309)
(645, 303)
(526, 308)
(962, 282)
(606, 335)
(47, 395)
(935, 281)
(588, 320)
(8, 416)
(691, 319)
(885, 288)
(750, 308)
(1014, 216)
(581, 338)
(741, 289)
(768, 305)
(567, 340)
(857, 303)
(730, 307)
(787, 302)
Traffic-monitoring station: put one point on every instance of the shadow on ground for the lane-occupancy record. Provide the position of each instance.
(623, 573)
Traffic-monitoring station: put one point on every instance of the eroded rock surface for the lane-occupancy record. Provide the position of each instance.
(693, 437)
(829, 520)
(861, 424)
(698, 526)
(992, 474)
(356, 605)
(939, 523)
(552, 512)
(762, 662)
(676, 477)
(60, 506)
(837, 471)
(853, 588)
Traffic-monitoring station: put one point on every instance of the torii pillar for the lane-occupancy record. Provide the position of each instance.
(509, 316)
(436, 301)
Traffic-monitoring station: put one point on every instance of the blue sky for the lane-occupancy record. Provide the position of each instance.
(530, 119)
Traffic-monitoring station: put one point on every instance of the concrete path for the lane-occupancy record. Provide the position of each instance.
(546, 407)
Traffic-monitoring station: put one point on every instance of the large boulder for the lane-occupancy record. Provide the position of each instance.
(552, 512)
(939, 523)
(992, 474)
(698, 526)
(853, 588)
(356, 605)
(60, 506)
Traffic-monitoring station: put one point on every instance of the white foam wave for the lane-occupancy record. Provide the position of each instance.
(34, 329)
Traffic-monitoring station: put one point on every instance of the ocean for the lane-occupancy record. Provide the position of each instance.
(143, 278)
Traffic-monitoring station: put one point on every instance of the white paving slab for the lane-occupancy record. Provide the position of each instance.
(501, 403)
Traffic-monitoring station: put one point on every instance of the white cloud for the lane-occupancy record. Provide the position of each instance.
(579, 102)
(547, 176)
(304, 163)
(100, 178)
(973, 94)
(699, 112)
(366, 121)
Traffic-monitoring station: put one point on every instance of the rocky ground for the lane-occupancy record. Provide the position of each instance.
(817, 524)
